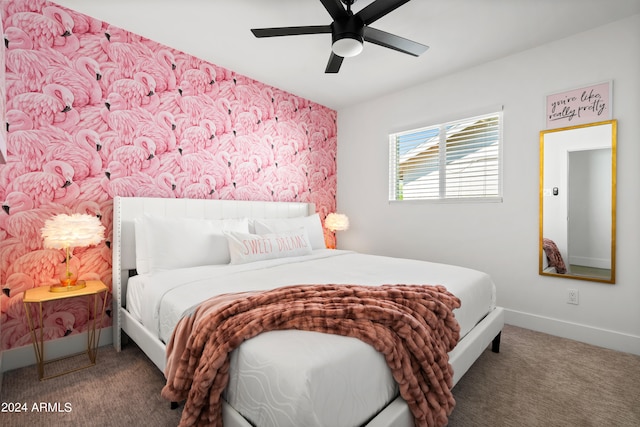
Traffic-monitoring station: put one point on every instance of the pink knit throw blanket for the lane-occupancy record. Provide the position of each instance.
(413, 326)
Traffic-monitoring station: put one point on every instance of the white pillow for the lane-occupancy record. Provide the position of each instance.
(311, 224)
(164, 243)
(246, 247)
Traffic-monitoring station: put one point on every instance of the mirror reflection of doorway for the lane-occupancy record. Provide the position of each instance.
(589, 212)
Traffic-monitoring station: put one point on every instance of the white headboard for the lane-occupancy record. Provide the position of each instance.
(127, 209)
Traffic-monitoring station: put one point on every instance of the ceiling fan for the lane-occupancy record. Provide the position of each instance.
(349, 31)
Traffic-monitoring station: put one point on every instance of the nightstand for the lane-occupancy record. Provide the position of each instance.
(41, 295)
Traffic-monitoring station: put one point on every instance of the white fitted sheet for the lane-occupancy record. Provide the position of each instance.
(292, 378)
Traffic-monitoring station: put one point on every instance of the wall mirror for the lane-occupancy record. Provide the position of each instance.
(578, 202)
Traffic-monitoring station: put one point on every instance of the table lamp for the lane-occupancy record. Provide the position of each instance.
(65, 231)
(336, 222)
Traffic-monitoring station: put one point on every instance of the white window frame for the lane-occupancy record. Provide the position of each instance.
(439, 143)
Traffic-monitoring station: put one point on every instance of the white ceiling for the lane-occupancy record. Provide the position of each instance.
(460, 33)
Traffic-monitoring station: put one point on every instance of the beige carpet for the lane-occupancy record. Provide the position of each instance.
(536, 380)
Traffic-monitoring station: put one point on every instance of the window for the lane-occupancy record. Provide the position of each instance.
(454, 160)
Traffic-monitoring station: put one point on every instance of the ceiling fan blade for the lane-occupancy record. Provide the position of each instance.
(335, 9)
(382, 38)
(333, 66)
(290, 31)
(378, 9)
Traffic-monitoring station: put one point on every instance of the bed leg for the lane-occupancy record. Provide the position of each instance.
(174, 405)
(495, 344)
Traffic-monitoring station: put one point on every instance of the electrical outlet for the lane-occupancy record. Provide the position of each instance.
(572, 296)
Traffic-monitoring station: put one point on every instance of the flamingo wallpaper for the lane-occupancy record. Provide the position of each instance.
(93, 111)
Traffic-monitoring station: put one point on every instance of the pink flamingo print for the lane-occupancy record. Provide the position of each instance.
(192, 167)
(122, 49)
(16, 201)
(122, 120)
(81, 77)
(83, 24)
(137, 157)
(257, 191)
(52, 24)
(81, 152)
(27, 144)
(286, 153)
(49, 107)
(25, 225)
(58, 324)
(88, 207)
(16, 284)
(318, 178)
(118, 183)
(286, 108)
(257, 96)
(53, 184)
(264, 148)
(27, 65)
(322, 158)
(203, 189)
(196, 138)
(324, 121)
(161, 129)
(15, 332)
(247, 122)
(288, 174)
(170, 102)
(286, 192)
(162, 67)
(196, 108)
(11, 248)
(76, 309)
(136, 92)
(219, 168)
(41, 265)
(248, 171)
(195, 82)
(162, 185)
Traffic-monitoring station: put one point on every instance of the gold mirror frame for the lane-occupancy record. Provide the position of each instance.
(567, 139)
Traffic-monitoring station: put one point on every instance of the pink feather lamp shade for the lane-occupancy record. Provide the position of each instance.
(65, 231)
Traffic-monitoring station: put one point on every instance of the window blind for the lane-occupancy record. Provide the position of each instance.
(454, 160)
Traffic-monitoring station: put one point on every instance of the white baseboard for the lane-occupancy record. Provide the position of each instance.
(25, 356)
(588, 334)
(590, 262)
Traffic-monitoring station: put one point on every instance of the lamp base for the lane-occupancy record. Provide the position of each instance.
(67, 286)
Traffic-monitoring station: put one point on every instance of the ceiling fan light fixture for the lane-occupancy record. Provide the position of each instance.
(347, 46)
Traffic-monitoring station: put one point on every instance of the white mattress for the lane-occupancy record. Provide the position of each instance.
(292, 378)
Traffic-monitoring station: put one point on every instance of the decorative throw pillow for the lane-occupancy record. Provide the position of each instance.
(311, 224)
(245, 247)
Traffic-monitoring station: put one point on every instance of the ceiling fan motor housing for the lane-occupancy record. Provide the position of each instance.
(347, 36)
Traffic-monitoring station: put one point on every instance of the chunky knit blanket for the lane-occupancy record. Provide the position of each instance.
(413, 326)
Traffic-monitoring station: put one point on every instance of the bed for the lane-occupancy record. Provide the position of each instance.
(287, 377)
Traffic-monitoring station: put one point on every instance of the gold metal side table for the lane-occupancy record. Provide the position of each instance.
(41, 295)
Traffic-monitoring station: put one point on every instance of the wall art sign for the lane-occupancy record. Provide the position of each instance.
(579, 106)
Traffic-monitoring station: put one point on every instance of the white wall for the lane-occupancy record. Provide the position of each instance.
(502, 238)
(589, 225)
